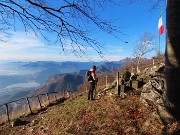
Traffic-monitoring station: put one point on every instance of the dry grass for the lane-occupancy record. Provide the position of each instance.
(20, 108)
(109, 115)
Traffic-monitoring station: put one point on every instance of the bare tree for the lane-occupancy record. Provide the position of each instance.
(144, 47)
(69, 22)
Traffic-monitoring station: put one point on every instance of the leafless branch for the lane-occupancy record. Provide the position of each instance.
(144, 46)
(65, 20)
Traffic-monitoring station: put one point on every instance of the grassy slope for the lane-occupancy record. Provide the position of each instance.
(109, 115)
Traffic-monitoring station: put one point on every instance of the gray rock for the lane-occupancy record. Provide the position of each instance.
(153, 94)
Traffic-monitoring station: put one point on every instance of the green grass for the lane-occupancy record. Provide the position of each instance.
(109, 115)
(80, 116)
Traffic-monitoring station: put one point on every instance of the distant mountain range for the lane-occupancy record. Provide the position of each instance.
(39, 71)
(51, 76)
(60, 67)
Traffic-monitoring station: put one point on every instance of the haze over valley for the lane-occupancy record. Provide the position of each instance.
(19, 79)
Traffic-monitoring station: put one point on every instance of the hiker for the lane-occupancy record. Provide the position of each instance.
(92, 83)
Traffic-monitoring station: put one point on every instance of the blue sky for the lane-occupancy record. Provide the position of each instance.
(134, 19)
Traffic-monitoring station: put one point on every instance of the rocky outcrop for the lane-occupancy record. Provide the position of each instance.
(153, 94)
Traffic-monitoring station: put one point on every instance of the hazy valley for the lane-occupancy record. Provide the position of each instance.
(19, 79)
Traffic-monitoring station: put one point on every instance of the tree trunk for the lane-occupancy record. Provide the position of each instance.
(172, 57)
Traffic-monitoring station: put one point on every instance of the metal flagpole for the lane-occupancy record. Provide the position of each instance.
(159, 33)
(159, 46)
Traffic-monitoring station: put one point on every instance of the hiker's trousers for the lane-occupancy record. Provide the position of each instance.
(91, 90)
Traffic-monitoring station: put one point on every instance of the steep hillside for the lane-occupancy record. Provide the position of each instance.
(108, 115)
(59, 84)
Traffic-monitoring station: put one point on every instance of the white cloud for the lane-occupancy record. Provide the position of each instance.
(20, 41)
(27, 47)
(114, 49)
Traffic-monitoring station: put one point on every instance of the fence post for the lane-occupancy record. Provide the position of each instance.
(48, 98)
(118, 90)
(7, 112)
(153, 61)
(29, 105)
(122, 89)
(55, 97)
(28, 102)
(130, 83)
(39, 101)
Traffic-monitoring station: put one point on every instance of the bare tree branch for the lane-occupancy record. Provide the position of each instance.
(66, 20)
(144, 46)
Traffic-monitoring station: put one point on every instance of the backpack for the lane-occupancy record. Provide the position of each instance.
(88, 75)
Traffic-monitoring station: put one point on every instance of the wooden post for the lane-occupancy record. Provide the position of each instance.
(7, 112)
(130, 83)
(55, 96)
(48, 97)
(39, 101)
(68, 93)
(122, 91)
(118, 90)
(106, 81)
(29, 105)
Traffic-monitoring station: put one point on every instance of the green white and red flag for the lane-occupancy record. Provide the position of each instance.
(160, 25)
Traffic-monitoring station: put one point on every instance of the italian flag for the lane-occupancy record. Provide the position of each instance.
(160, 25)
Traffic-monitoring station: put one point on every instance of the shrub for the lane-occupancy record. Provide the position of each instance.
(126, 75)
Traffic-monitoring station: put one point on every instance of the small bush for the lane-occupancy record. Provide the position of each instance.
(126, 75)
